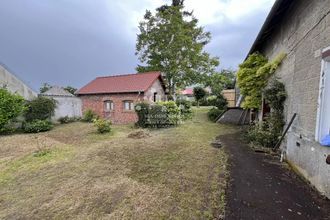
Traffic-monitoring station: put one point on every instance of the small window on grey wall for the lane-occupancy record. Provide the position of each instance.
(108, 105)
(128, 105)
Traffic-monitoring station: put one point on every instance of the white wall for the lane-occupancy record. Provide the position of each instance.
(158, 88)
(67, 106)
(15, 85)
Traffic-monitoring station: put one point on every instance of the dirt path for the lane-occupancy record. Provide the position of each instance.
(262, 188)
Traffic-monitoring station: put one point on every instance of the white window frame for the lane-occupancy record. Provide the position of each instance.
(325, 61)
(130, 105)
(108, 103)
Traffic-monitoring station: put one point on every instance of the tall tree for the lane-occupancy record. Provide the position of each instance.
(199, 94)
(70, 89)
(171, 41)
(45, 87)
(218, 81)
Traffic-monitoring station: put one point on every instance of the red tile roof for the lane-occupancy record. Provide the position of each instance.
(139, 82)
(188, 91)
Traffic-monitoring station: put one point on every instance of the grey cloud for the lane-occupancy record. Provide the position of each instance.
(232, 41)
(70, 42)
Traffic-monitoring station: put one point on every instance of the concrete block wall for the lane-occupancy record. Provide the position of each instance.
(15, 85)
(303, 34)
(67, 106)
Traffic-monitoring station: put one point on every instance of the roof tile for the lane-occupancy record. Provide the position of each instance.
(138, 82)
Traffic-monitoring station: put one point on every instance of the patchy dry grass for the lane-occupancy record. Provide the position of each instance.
(72, 172)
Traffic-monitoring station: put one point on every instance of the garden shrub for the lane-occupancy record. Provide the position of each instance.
(40, 108)
(158, 117)
(214, 113)
(199, 94)
(160, 114)
(37, 126)
(218, 101)
(11, 106)
(142, 110)
(103, 126)
(89, 115)
(67, 119)
(185, 108)
(172, 111)
(268, 132)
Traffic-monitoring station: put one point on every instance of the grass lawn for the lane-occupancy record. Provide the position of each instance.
(72, 172)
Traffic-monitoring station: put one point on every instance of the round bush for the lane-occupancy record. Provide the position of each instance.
(37, 126)
(214, 113)
(102, 125)
(185, 108)
(89, 116)
(40, 108)
(11, 106)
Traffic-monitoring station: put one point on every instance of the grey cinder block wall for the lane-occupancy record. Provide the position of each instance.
(303, 33)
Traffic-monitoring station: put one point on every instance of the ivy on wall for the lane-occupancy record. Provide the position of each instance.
(253, 75)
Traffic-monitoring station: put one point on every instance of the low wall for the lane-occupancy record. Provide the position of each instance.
(67, 106)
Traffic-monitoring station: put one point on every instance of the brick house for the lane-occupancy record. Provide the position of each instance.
(301, 29)
(113, 97)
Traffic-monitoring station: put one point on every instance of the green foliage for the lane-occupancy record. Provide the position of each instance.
(103, 126)
(11, 106)
(40, 108)
(171, 41)
(275, 95)
(70, 89)
(253, 75)
(67, 119)
(214, 113)
(217, 101)
(267, 133)
(37, 126)
(89, 115)
(249, 82)
(185, 108)
(158, 115)
(42, 152)
(142, 110)
(172, 111)
(199, 94)
(45, 87)
(219, 81)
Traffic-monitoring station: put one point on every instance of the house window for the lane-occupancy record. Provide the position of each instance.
(323, 126)
(108, 106)
(128, 105)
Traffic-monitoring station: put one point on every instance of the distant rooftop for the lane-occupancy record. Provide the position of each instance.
(56, 91)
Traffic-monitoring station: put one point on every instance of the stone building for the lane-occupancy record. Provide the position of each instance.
(66, 103)
(113, 97)
(13, 84)
(301, 29)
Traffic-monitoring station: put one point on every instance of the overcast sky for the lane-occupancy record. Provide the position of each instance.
(70, 42)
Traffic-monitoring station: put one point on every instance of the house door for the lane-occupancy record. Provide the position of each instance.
(325, 102)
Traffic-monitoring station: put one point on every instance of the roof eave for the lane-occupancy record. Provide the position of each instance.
(105, 93)
(277, 5)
